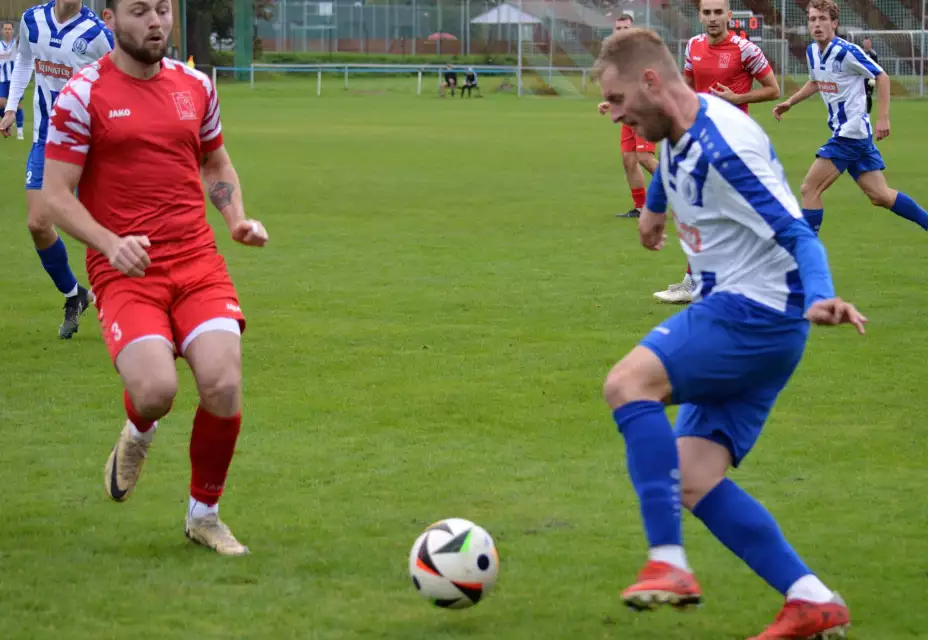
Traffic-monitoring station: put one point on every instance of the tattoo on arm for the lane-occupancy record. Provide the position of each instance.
(221, 194)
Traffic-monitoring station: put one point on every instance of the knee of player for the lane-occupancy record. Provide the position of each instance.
(154, 396)
(806, 190)
(882, 198)
(221, 390)
(624, 384)
(36, 222)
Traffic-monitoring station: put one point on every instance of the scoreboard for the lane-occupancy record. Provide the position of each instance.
(748, 22)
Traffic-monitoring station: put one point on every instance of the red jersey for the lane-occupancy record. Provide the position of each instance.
(735, 62)
(140, 143)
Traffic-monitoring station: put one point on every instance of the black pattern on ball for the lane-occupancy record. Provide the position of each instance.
(483, 562)
(415, 581)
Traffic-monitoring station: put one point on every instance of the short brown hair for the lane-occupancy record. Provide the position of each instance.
(629, 50)
(825, 6)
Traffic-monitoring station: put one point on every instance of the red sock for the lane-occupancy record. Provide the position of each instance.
(211, 447)
(142, 424)
(638, 196)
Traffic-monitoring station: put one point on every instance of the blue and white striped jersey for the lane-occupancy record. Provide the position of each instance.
(841, 72)
(738, 221)
(7, 53)
(56, 52)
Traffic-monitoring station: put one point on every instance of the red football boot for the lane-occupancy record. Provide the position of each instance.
(802, 620)
(659, 584)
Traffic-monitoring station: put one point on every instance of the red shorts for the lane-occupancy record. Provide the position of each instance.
(631, 142)
(169, 301)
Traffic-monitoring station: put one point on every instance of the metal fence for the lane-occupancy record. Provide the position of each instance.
(569, 31)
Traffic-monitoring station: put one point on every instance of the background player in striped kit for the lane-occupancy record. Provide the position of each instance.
(57, 40)
(839, 70)
(7, 53)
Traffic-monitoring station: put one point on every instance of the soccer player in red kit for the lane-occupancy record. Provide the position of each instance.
(726, 65)
(636, 151)
(134, 133)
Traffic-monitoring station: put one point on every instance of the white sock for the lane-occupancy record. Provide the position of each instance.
(199, 509)
(810, 589)
(672, 554)
(688, 280)
(145, 436)
(72, 292)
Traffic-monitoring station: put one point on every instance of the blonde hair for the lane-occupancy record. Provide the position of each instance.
(630, 50)
(825, 6)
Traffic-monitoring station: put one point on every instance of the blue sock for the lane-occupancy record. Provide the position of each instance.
(20, 118)
(814, 217)
(55, 261)
(907, 208)
(653, 465)
(743, 525)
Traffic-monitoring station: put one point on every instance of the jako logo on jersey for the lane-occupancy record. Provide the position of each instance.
(724, 59)
(53, 69)
(56, 41)
(233, 307)
(186, 109)
(120, 113)
(80, 46)
(827, 87)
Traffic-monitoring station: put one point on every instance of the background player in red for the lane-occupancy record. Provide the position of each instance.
(135, 132)
(636, 151)
(726, 65)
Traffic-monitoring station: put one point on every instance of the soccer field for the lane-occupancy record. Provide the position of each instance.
(445, 288)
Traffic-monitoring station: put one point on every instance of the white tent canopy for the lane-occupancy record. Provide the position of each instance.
(505, 14)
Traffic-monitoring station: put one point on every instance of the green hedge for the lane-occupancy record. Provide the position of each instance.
(298, 57)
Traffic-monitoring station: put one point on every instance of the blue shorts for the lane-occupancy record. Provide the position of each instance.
(4, 90)
(727, 358)
(35, 167)
(852, 155)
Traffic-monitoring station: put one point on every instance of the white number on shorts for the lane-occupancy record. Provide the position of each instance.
(116, 331)
(28, 177)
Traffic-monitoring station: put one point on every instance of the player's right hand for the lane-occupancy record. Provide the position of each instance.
(780, 109)
(836, 311)
(602, 107)
(129, 256)
(6, 124)
(651, 230)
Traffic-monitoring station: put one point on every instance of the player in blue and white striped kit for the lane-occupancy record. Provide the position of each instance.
(761, 276)
(7, 54)
(57, 40)
(839, 71)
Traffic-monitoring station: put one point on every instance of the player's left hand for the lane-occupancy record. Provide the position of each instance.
(836, 311)
(6, 123)
(724, 93)
(651, 230)
(251, 233)
(882, 128)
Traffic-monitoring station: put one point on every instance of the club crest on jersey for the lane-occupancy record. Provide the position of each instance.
(836, 66)
(724, 59)
(80, 46)
(689, 190)
(186, 109)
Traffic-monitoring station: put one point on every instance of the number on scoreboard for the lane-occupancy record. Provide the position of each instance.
(747, 23)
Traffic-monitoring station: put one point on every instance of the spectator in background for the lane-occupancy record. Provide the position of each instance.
(470, 83)
(868, 49)
(450, 80)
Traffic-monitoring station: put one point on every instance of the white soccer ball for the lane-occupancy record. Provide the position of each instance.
(871, 82)
(454, 563)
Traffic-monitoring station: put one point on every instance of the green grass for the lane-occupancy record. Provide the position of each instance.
(445, 288)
